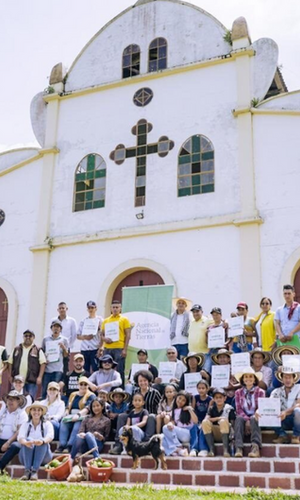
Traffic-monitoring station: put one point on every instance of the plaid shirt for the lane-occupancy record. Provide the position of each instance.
(241, 403)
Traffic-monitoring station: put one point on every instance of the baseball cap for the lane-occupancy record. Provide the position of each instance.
(143, 351)
(78, 356)
(91, 303)
(19, 377)
(216, 310)
(219, 391)
(196, 307)
(243, 305)
(29, 332)
(56, 322)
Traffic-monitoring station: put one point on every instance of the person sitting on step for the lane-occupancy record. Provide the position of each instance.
(216, 425)
(246, 404)
(289, 395)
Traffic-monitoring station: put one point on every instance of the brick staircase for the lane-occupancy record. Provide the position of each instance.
(279, 467)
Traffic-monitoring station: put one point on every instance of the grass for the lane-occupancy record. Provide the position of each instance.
(16, 490)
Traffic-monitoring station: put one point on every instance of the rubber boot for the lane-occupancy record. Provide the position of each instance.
(210, 443)
(225, 441)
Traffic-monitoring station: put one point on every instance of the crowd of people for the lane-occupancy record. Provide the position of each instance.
(84, 401)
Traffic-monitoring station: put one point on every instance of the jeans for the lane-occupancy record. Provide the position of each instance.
(182, 350)
(87, 443)
(198, 441)
(31, 389)
(67, 433)
(12, 451)
(290, 422)
(90, 360)
(33, 458)
(149, 430)
(138, 433)
(116, 355)
(237, 349)
(56, 426)
(174, 438)
(47, 378)
(239, 432)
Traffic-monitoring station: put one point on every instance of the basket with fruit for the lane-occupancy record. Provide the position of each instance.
(99, 469)
(59, 468)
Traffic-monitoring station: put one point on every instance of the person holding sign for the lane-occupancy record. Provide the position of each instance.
(142, 364)
(289, 395)
(276, 365)
(89, 334)
(179, 325)
(216, 335)
(56, 349)
(115, 336)
(244, 343)
(287, 318)
(216, 425)
(246, 404)
(259, 360)
(194, 363)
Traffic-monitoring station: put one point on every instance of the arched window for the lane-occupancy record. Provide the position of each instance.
(131, 61)
(90, 180)
(157, 54)
(196, 166)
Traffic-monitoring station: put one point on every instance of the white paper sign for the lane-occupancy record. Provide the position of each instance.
(112, 331)
(216, 337)
(236, 326)
(220, 375)
(90, 326)
(239, 361)
(166, 371)
(136, 367)
(269, 411)
(53, 351)
(190, 382)
(291, 361)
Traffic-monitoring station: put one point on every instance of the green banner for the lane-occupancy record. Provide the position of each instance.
(149, 310)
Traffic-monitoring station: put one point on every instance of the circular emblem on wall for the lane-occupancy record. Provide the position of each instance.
(143, 97)
(2, 217)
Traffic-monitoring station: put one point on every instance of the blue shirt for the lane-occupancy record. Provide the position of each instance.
(122, 409)
(201, 407)
(287, 325)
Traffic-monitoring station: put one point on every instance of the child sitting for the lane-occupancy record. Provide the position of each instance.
(165, 407)
(137, 418)
(216, 424)
(118, 404)
(202, 401)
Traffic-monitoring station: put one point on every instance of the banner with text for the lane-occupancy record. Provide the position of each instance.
(149, 311)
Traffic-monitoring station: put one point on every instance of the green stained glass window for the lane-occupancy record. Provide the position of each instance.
(196, 167)
(90, 182)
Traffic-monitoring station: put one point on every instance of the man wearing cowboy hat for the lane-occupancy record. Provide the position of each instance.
(107, 376)
(276, 364)
(259, 360)
(289, 395)
(223, 357)
(179, 325)
(12, 416)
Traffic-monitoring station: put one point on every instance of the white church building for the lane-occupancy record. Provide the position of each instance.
(169, 153)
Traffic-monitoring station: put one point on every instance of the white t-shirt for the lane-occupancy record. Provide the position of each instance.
(179, 338)
(10, 421)
(36, 432)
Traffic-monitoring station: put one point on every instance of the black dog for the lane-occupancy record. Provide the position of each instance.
(137, 450)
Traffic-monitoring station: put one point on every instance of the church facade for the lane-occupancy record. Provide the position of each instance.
(168, 154)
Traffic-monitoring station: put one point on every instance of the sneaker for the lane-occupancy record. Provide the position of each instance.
(116, 450)
(26, 476)
(58, 450)
(124, 452)
(239, 453)
(254, 453)
(193, 453)
(281, 440)
(226, 454)
(295, 440)
(211, 454)
(203, 453)
(34, 476)
(183, 452)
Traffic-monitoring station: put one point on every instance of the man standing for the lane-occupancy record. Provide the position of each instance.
(56, 348)
(287, 318)
(89, 334)
(29, 361)
(289, 395)
(179, 326)
(69, 329)
(197, 330)
(115, 336)
(69, 383)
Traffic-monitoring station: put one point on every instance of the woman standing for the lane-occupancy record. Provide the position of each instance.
(94, 430)
(55, 407)
(34, 437)
(246, 403)
(265, 325)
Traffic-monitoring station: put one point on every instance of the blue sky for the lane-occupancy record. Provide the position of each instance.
(37, 34)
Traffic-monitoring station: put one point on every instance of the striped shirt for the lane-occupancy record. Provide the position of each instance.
(152, 399)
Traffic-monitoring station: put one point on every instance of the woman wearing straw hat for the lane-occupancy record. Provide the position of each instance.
(259, 360)
(194, 363)
(289, 395)
(34, 437)
(179, 325)
(246, 404)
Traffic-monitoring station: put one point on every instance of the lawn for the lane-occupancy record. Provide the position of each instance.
(16, 490)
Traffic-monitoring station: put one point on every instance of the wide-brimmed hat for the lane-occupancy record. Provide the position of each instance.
(249, 371)
(198, 355)
(118, 390)
(266, 355)
(36, 404)
(288, 371)
(184, 299)
(276, 354)
(15, 394)
(219, 353)
(108, 358)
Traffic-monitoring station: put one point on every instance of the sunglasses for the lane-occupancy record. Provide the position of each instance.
(52, 389)
(83, 384)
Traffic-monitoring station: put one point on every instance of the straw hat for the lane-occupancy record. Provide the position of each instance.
(277, 352)
(15, 394)
(83, 379)
(219, 353)
(36, 404)
(198, 356)
(54, 385)
(118, 390)
(258, 350)
(184, 299)
(249, 371)
(288, 371)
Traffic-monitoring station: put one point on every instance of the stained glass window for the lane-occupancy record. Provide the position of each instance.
(196, 167)
(90, 181)
(131, 61)
(157, 54)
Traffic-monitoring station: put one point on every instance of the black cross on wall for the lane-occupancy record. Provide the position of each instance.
(140, 152)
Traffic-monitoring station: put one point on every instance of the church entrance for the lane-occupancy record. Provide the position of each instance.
(144, 277)
(3, 326)
(297, 285)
